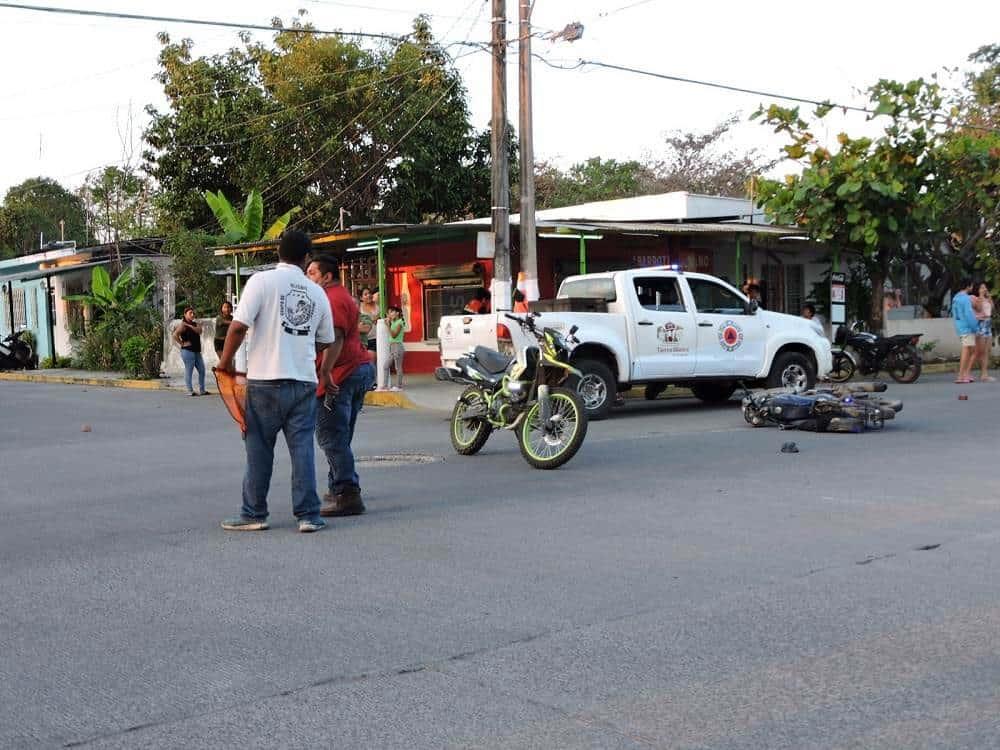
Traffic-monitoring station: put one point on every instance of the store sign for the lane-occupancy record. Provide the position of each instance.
(838, 298)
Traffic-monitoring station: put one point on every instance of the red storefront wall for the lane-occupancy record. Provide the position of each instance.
(557, 258)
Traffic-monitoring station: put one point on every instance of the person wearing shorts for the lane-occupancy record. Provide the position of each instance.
(982, 305)
(966, 326)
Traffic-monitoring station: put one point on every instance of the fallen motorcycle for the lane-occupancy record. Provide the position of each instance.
(522, 394)
(854, 408)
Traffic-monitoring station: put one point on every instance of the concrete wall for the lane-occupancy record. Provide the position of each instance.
(939, 330)
(172, 364)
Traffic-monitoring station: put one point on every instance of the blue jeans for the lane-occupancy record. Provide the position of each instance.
(275, 406)
(335, 427)
(193, 360)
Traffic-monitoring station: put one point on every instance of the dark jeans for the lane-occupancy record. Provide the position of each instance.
(275, 406)
(193, 361)
(335, 427)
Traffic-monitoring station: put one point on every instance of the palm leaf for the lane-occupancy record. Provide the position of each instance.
(253, 216)
(100, 282)
(233, 227)
(279, 225)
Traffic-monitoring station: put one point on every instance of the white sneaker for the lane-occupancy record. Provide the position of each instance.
(395, 388)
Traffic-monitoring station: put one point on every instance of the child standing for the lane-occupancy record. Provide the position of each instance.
(397, 328)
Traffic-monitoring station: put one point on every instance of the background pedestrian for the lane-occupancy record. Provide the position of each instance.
(222, 323)
(188, 337)
(983, 307)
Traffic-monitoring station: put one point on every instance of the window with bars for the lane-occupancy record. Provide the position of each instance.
(20, 309)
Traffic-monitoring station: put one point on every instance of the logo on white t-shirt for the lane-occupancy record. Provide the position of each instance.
(297, 309)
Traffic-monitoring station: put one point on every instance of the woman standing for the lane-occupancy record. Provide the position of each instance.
(982, 304)
(188, 338)
(222, 324)
(369, 315)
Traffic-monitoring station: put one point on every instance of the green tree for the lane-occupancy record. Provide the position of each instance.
(119, 202)
(595, 179)
(320, 122)
(35, 208)
(191, 264)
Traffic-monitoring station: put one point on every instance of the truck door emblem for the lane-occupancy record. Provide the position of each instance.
(730, 336)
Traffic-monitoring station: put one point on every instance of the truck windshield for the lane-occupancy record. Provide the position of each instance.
(600, 288)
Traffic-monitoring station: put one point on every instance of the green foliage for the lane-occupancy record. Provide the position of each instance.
(48, 363)
(924, 195)
(697, 162)
(135, 353)
(191, 263)
(320, 122)
(119, 203)
(245, 227)
(35, 207)
(120, 312)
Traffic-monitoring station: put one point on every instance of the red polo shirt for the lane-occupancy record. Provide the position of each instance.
(345, 317)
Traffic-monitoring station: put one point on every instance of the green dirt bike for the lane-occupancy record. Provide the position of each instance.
(523, 394)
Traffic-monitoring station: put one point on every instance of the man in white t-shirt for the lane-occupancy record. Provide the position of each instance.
(291, 321)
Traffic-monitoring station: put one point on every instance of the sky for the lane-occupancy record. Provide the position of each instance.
(75, 87)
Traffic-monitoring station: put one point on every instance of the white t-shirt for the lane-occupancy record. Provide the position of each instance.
(288, 314)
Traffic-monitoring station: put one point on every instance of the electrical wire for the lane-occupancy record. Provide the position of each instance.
(378, 162)
(197, 22)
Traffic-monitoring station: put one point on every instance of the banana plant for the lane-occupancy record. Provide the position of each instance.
(238, 228)
(118, 297)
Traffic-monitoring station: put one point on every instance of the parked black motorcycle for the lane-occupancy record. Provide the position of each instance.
(16, 354)
(898, 355)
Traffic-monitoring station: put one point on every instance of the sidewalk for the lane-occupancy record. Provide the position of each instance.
(422, 391)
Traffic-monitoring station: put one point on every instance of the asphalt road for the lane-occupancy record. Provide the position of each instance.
(680, 584)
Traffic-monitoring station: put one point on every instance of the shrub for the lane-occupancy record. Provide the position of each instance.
(134, 351)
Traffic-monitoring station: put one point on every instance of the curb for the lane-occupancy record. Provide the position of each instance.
(392, 399)
(143, 385)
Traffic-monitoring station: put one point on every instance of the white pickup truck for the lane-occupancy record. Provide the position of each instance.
(661, 327)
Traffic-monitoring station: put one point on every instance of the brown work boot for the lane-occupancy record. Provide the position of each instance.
(344, 503)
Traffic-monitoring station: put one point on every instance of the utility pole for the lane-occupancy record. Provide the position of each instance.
(529, 255)
(500, 182)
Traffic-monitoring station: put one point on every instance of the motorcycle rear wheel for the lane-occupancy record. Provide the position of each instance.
(550, 449)
(843, 368)
(904, 365)
(469, 434)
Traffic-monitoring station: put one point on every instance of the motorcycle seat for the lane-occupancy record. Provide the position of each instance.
(491, 360)
(904, 337)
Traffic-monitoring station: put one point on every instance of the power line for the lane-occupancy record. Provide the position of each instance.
(711, 84)
(197, 21)
(378, 162)
(934, 118)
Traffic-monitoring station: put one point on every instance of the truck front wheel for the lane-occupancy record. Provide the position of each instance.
(793, 371)
(596, 388)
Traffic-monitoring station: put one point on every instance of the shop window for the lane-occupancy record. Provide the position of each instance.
(444, 300)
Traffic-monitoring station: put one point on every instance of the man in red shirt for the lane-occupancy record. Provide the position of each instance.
(337, 412)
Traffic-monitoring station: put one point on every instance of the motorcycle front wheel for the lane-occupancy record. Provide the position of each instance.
(904, 364)
(549, 446)
(842, 369)
(469, 428)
